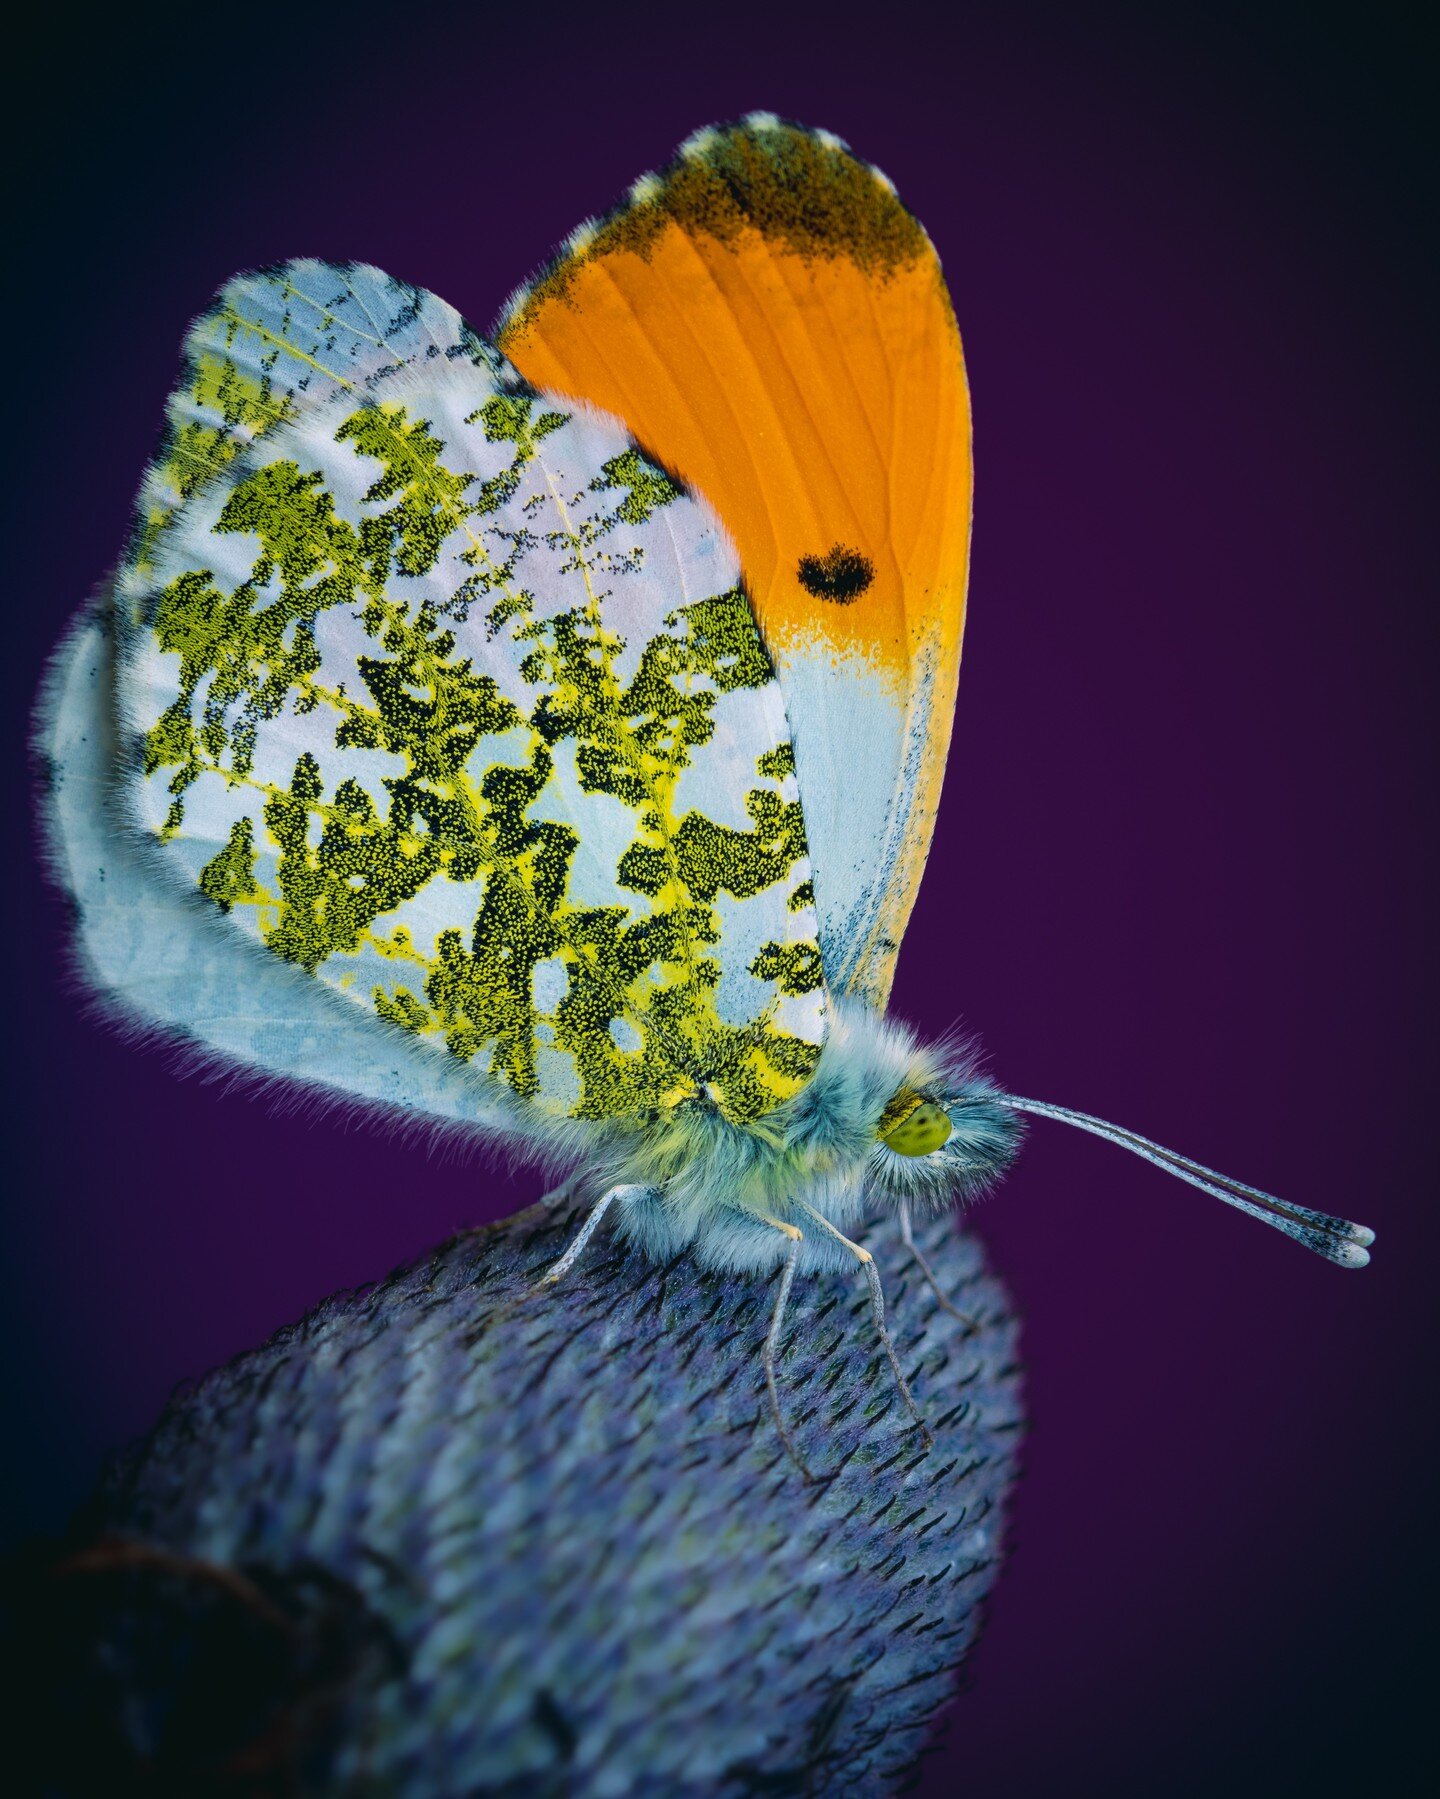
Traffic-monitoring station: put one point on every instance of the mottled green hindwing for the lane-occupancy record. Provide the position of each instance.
(454, 700)
(273, 344)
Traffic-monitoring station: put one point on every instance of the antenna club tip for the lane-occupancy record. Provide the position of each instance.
(1351, 1255)
(1362, 1234)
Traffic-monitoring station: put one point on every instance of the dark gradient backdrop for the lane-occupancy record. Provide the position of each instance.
(1181, 875)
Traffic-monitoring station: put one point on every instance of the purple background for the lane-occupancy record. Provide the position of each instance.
(1182, 874)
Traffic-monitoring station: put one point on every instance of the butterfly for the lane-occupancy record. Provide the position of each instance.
(543, 733)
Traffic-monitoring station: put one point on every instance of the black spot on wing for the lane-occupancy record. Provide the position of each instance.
(841, 574)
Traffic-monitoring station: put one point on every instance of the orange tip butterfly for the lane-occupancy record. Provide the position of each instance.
(543, 734)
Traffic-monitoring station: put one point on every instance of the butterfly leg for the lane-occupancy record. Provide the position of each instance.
(772, 1339)
(907, 1238)
(877, 1307)
(587, 1230)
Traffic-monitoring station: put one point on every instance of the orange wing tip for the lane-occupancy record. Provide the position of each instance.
(798, 187)
(760, 122)
(571, 253)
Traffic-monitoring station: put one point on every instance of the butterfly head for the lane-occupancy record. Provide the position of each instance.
(953, 1136)
(895, 1119)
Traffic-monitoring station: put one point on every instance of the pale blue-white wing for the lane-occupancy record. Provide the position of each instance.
(448, 697)
(162, 960)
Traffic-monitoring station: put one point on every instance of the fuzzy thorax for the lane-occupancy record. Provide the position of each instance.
(712, 1183)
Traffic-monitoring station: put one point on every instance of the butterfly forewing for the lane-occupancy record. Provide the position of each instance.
(453, 699)
(771, 322)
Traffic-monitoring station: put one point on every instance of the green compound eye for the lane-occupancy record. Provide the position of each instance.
(922, 1129)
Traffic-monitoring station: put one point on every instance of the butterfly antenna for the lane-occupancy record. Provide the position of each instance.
(1337, 1239)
